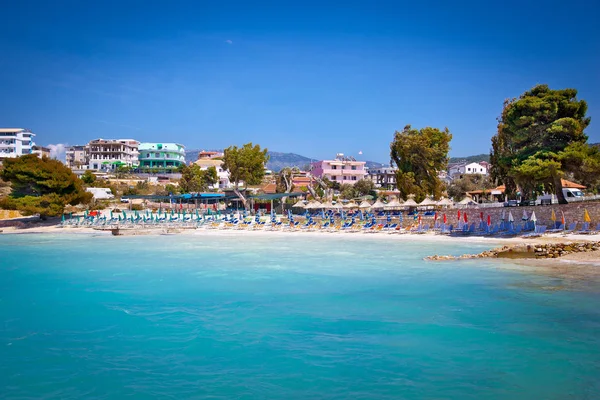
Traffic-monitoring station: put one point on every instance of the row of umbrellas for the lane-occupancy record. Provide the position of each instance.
(378, 205)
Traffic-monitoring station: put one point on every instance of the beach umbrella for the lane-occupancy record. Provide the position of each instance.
(378, 205)
(401, 219)
(393, 205)
(445, 202)
(419, 219)
(562, 219)
(481, 216)
(445, 218)
(435, 217)
(489, 220)
(299, 204)
(458, 214)
(410, 202)
(525, 216)
(586, 216)
(510, 217)
(504, 215)
(465, 217)
(389, 218)
(553, 216)
(533, 218)
(124, 215)
(364, 204)
(63, 218)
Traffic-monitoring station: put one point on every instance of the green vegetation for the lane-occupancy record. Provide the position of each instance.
(41, 186)
(420, 155)
(360, 188)
(470, 159)
(540, 139)
(458, 188)
(194, 179)
(246, 165)
(88, 177)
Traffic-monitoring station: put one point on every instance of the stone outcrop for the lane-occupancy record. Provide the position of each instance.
(548, 250)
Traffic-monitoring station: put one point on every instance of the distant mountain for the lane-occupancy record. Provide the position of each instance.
(470, 159)
(278, 161)
(595, 145)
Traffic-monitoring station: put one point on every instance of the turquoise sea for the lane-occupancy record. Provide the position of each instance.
(285, 317)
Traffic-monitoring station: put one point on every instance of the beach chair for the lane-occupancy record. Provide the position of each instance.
(585, 229)
(571, 228)
(538, 231)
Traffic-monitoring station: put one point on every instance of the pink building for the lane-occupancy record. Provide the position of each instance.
(341, 170)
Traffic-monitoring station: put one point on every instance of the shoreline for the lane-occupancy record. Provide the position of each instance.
(575, 266)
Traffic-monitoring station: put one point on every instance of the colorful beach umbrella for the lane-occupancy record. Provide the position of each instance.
(562, 218)
(458, 216)
(445, 218)
(489, 220)
(553, 216)
(481, 216)
(465, 217)
(586, 216)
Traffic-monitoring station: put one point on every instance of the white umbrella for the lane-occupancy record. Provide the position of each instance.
(445, 202)
(510, 217)
(533, 218)
(525, 216)
(503, 215)
(410, 203)
(350, 204)
(314, 205)
(330, 206)
(299, 204)
(392, 205)
(378, 205)
(364, 204)
(427, 202)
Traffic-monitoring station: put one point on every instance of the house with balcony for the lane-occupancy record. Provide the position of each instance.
(460, 169)
(341, 169)
(77, 157)
(109, 154)
(15, 142)
(384, 177)
(207, 159)
(41, 151)
(161, 155)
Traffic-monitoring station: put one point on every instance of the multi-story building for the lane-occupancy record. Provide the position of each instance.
(208, 159)
(77, 157)
(107, 155)
(41, 151)
(341, 169)
(384, 177)
(161, 155)
(15, 142)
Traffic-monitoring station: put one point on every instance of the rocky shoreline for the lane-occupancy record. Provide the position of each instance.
(546, 250)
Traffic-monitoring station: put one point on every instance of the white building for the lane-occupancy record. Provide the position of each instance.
(15, 142)
(458, 170)
(109, 154)
(208, 159)
(77, 157)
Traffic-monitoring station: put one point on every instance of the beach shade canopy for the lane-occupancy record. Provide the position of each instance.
(525, 216)
(299, 204)
(314, 205)
(364, 204)
(393, 205)
(330, 206)
(445, 202)
(467, 201)
(410, 203)
(427, 203)
(378, 205)
(350, 204)
(553, 216)
(510, 217)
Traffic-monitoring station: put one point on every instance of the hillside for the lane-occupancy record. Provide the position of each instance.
(470, 159)
(278, 160)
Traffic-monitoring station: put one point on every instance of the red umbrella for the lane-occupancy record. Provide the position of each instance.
(459, 215)
(435, 216)
(419, 219)
(481, 216)
(465, 215)
(489, 220)
(445, 219)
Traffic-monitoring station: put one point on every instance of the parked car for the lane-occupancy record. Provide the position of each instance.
(124, 200)
(511, 203)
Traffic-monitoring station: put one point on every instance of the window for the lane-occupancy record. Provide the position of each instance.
(354, 167)
(469, 169)
(353, 178)
(333, 178)
(334, 167)
(343, 167)
(157, 155)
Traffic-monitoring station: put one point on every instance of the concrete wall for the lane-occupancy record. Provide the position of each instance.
(573, 212)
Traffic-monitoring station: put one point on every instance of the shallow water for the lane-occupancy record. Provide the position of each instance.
(288, 317)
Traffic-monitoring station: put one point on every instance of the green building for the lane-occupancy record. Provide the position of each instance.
(161, 155)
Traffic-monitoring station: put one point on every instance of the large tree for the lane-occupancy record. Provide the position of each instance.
(533, 132)
(41, 186)
(246, 165)
(194, 179)
(419, 155)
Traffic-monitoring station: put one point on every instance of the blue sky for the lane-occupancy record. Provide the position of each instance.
(313, 78)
